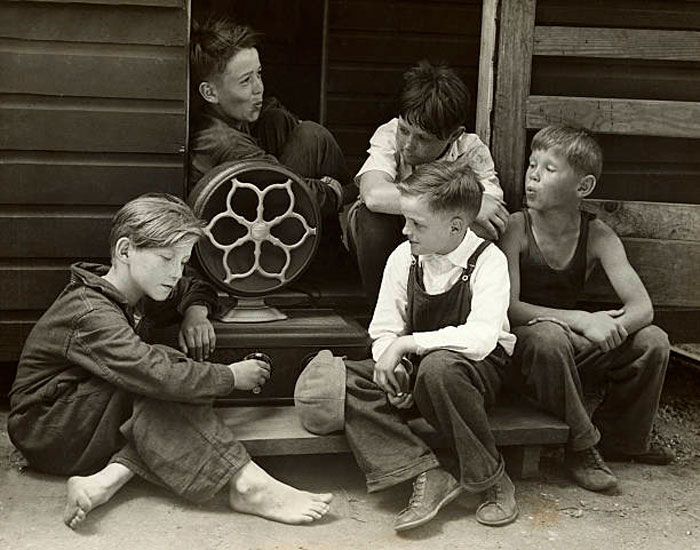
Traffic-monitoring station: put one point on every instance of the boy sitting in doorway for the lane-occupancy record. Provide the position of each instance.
(92, 400)
(434, 105)
(235, 123)
(443, 303)
(566, 357)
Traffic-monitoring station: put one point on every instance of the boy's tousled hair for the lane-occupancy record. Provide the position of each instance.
(155, 220)
(576, 144)
(448, 186)
(214, 42)
(434, 98)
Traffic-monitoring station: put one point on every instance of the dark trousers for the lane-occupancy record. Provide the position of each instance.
(311, 151)
(183, 447)
(373, 237)
(623, 385)
(451, 393)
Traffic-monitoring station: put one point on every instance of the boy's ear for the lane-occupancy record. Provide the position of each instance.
(586, 185)
(208, 91)
(457, 224)
(122, 250)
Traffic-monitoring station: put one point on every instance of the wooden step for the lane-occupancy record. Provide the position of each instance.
(277, 430)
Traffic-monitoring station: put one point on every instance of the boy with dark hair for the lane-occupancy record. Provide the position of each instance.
(442, 305)
(566, 357)
(92, 400)
(434, 104)
(235, 123)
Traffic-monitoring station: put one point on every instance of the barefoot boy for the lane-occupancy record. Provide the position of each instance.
(94, 401)
(563, 353)
(434, 103)
(443, 303)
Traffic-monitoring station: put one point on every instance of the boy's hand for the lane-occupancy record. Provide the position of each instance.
(384, 375)
(250, 373)
(492, 218)
(197, 337)
(401, 401)
(604, 329)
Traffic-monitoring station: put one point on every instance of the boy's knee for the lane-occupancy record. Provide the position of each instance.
(438, 367)
(545, 337)
(653, 340)
(311, 132)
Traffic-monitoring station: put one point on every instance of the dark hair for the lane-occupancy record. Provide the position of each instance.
(214, 42)
(576, 144)
(434, 98)
(448, 186)
(155, 220)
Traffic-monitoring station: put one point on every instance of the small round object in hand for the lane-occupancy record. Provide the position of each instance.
(259, 356)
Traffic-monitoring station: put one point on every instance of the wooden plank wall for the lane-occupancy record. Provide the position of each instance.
(370, 43)
(92, 113)
(629, 72)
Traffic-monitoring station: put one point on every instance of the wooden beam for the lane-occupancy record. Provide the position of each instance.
(649, 220)
(487, 53)
(617, 43)
(515, 40)
(617, 116)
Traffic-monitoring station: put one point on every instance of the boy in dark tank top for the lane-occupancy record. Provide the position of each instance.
(565, 355)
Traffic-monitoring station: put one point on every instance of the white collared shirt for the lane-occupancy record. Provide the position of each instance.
(487, 323)
(467, 148)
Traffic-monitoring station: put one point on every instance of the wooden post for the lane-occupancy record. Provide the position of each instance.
(515, 45)
(487, 51)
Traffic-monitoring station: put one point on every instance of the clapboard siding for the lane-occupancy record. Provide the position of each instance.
(92, 114)
(30, 288)
(97, 127)
(370, 44)
(59, 178)
(87, 70)
(79, 23)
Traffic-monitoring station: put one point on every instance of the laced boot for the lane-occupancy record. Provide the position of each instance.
(431, 491)
(589, 471)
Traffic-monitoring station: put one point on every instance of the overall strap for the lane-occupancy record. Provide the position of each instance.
(471, 262)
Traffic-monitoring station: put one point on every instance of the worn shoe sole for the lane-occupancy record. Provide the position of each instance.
(425, 519)
(500, 522)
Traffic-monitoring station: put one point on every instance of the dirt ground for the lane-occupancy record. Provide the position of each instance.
(655, 508)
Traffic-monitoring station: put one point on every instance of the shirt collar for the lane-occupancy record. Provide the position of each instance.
(460, 255)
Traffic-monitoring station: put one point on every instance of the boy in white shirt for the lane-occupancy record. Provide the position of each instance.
(443, 305)
(433, 111)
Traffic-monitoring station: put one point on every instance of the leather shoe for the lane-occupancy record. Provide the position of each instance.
(431, 491)
(589, 471)
(498, 506)
(656, 454)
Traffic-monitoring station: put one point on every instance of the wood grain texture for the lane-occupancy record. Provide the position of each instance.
(617, 43)
(517, 22)
(129, 23)
(278, 430)
(618, 116)
(649, 220)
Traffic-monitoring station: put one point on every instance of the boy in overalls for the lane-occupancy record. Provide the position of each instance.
(442, 304)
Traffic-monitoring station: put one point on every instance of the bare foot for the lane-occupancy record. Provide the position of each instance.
(254, 491)
(85, 493)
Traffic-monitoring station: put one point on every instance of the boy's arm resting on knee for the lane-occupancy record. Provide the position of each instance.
(637, 311)
(379, 192)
